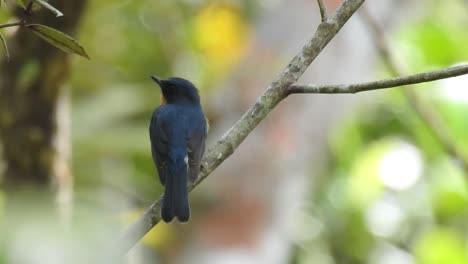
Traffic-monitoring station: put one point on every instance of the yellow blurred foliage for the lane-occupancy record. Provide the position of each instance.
(221, 34)
(158, 238)
(441, 245)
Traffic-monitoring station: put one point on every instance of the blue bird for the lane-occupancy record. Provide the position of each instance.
(177, 131)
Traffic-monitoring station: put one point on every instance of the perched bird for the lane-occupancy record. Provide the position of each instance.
(177, 132)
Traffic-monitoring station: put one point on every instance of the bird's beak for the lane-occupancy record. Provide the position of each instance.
(157, 80)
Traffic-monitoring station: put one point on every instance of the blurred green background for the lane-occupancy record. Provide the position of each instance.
(388, 192)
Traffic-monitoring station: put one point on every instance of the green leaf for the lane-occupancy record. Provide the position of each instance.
(49, 7)
(21, 3)
(58, 39)
(440, 245)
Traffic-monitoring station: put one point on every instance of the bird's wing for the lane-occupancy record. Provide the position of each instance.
(196, 149)
(159, 143)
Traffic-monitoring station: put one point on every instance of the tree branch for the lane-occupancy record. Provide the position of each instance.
(381, 84)
(323, 10)
(275, 93)
(426, 112)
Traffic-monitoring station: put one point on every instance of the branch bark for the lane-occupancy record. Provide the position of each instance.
(275, 93)
(381, 84)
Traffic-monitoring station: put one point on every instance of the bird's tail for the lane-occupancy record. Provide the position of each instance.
(175, 200)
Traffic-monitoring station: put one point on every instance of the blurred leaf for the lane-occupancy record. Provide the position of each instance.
(441, 245)
(129, 102)
(33, 5)
(346, 140)
(410, 125)
(5, 45)
(365, 184)
(430, 42)
(28, 73)
(454, 114)
(58, 39)
(21, 3)
(353, 238)
(449, 202)
(49, 7)
(450, 192)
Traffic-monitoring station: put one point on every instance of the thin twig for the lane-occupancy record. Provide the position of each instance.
(22, 21)
(426, 112)
(12, 24)
(5, 46)
(29, 8)
(381, 84)
(323, 10)
(275, 93)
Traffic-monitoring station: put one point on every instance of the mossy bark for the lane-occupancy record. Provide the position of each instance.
(30, 87)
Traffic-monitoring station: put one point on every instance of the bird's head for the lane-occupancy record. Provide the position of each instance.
(178, 90)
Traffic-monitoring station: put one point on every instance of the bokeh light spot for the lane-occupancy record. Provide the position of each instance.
(384, 217)
(453, 89)
(401, 166)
